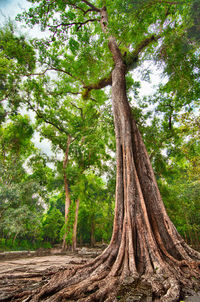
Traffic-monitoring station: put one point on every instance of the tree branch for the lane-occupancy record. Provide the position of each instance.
(77, 7)
(145, 43)
(48, 69)
(81, 9)
(162, 2)
(93, 8)
(54, 69)
(79, 108)
(88, 10)
(115, 51)
(169, 2)
(104, 82)
(61, 93)
(55, 27)
(133, 57)
(42, 116)
(130, 60)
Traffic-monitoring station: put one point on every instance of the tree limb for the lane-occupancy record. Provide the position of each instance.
(42, 116)
(104, 82)
(53, 69)
(162, 2)
(61, 93)
(71, 24)
(79, 108)
(133, 57)
(77, 7)
(116, 53)
(169, 2)
(94, 8)
(48, 69)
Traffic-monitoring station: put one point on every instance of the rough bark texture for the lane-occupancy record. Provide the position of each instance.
(74, 239)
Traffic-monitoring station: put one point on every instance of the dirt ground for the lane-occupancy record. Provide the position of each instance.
(36, 264)
(17, 275)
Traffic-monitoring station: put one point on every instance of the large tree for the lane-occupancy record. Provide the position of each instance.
(101, 42)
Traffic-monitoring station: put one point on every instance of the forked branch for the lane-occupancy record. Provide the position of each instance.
(129, 60)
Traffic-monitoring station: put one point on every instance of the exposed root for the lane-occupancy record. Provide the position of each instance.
(173, 292)
(96, 283)
(193, 265)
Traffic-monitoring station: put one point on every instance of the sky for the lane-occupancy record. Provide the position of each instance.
(10, 8)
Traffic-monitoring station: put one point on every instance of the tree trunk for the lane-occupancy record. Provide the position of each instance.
(14, 238)
(92, 237)
(67, 196)
(74, 239)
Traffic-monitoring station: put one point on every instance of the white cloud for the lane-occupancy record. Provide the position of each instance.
(10, 8)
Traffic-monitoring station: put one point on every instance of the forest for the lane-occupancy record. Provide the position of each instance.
(110, 151)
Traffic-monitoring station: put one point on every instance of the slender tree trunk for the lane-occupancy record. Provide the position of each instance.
(92, 237)
(67, 195)
(15, 237)
(74, 240)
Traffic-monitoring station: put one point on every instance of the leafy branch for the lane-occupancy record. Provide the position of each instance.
(44, 118)
(79, 25)
(53, 69)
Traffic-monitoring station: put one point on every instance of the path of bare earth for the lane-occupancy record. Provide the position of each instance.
(24, 274)
(29, 272)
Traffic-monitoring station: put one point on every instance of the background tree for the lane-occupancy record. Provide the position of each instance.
(96, 211)
(20, 201)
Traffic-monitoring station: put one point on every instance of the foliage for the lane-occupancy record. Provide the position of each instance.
(17, 57)
(52, 224)
(19, 194)
(96, 211)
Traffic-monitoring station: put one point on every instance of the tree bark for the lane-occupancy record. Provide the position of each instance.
(74, 239)
(14, 238)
